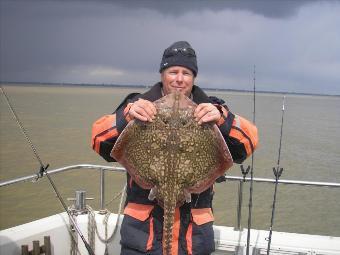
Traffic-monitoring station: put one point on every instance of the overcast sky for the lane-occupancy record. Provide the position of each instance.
(295, 45)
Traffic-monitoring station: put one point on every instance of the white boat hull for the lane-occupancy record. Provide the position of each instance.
(228, 240)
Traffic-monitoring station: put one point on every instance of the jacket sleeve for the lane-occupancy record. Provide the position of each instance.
(107, 128)
(240, 134)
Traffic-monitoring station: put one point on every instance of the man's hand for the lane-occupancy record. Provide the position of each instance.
(207, 112)
(143, 110)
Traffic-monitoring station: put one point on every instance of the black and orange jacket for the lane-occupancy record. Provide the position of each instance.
(192, 219)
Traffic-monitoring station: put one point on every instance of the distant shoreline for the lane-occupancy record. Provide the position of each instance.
(145, 86)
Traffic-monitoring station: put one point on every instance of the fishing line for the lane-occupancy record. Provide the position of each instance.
(277, 172)
(43, 171)
(250, 203)
(23, 130)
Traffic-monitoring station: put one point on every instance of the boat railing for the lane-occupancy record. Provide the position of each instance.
(102, 169)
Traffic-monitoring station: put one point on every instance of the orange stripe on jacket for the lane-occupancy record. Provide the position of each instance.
(151, 235)
(244, 131)
(200, 216)
(138, 211)
(188, 237)
(99, 139)
(142, 212)
(104, 123)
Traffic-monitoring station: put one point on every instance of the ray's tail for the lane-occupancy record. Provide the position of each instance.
(169, 222)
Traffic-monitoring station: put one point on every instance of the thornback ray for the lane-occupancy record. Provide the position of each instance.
(173, 156)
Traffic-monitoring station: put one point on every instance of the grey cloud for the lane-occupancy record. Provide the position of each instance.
(267, 8)
(273, 8)
(116, 42)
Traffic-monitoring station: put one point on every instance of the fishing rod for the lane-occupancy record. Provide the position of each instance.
(43, 171)
(245, 172)
(277, 172)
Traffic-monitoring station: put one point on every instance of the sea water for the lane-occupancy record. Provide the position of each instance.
(58, 120)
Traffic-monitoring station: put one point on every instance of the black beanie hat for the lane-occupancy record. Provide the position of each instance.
(179, 54)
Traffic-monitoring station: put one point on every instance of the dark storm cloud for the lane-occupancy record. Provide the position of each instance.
(294, 44)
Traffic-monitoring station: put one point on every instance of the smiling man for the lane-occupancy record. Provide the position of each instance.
(178, 71)
(141, 229)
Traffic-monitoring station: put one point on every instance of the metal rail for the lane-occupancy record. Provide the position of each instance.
(103, 168)
(122, 169)
(296, 182)
(33, 177)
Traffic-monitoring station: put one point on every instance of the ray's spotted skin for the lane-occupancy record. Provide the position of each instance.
(173, 156)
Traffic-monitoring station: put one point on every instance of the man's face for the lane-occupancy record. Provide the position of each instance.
(177, 78)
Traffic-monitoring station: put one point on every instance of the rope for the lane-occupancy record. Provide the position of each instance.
(90, 233)
(92, 228)
(116, 196)
(74, 250)
(74, 239)
(107, 239)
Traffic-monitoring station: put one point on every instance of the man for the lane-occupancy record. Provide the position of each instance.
(141, 230)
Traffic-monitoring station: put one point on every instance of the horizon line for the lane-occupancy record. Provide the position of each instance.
(147, 86)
